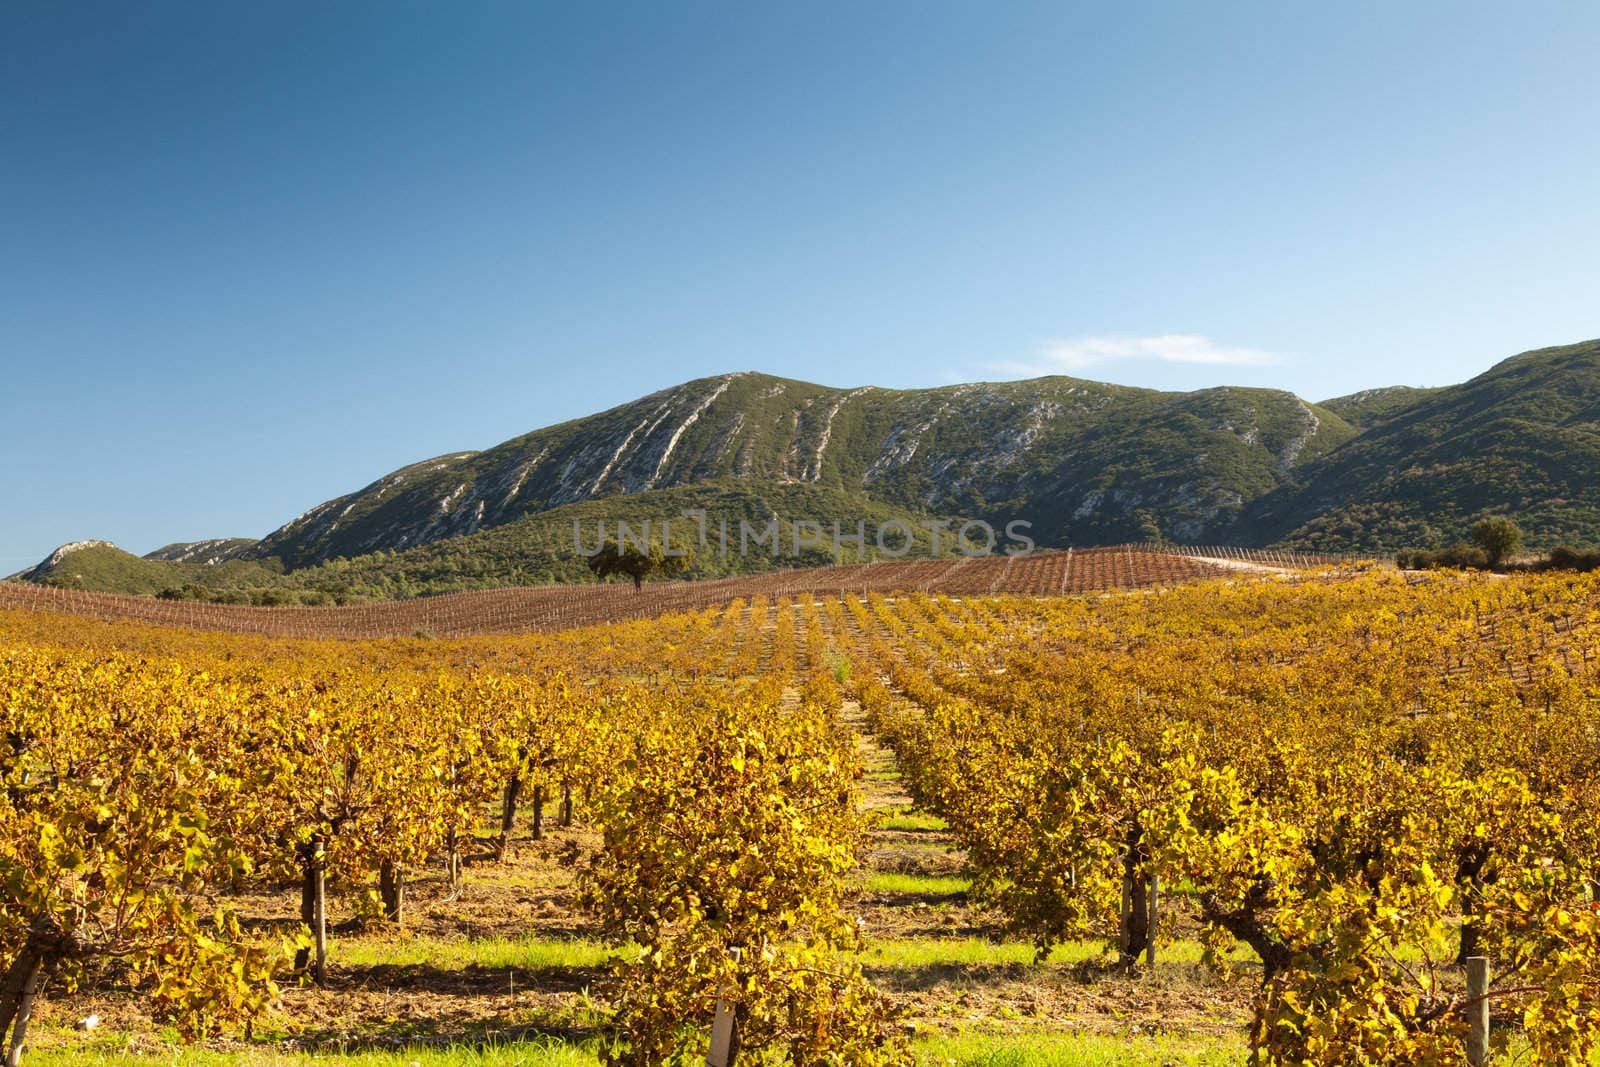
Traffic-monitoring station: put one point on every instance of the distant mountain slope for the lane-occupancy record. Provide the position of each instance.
(1372, 406)
(52, 563)
(539, 548)
(102, 566)
(536, 549)
(215, 550)
(1087, 461)
(1522, 439)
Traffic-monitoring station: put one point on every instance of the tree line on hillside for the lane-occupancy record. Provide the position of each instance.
(1494, 546)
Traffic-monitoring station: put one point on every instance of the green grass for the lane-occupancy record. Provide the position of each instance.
(917, 885)
(913, 821)
(919, 952)
(1077, 1050)
(526, 953)
(536, 953)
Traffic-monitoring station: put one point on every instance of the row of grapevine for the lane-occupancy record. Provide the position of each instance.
(149, 778)
(1362, 778)
(1346, 777)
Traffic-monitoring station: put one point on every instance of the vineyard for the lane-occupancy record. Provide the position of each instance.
(561, 607)
(1281, 816)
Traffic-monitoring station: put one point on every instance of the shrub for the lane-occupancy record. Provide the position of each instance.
(1462, 556)
(1566, 558)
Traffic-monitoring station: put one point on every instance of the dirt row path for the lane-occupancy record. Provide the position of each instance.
(910, 864)
(881, 789)
(934, 953)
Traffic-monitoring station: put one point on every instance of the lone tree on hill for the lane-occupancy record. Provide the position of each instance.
(639, 564)
(1498, 536)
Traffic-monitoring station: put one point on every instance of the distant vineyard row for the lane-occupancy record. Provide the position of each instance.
(558, 607)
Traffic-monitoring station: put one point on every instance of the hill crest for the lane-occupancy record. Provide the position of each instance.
(1085, 462)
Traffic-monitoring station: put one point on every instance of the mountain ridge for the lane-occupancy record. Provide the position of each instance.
(909, 448)
(1521, 439)
(1085, 462)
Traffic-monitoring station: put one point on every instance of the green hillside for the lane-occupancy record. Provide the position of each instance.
(1521, 439)
(1370, 407)
(1083, 462)
(102, 566)
(540, 548)
(535, 550)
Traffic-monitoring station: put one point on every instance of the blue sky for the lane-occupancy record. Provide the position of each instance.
(255, 255)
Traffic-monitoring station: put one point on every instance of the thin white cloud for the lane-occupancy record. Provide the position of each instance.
(1081, 353)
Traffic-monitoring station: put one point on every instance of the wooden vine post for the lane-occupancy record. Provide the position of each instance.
(1154, 900)
(320, 930)
(1477, 1010)
(721, 1053)
(1125, 914)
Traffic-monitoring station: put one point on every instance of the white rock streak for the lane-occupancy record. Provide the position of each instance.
(1292, 451)
(74, 546)
(522, 477)
(813, 472)
(605, 471)
(445, 504)
(693, 417)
